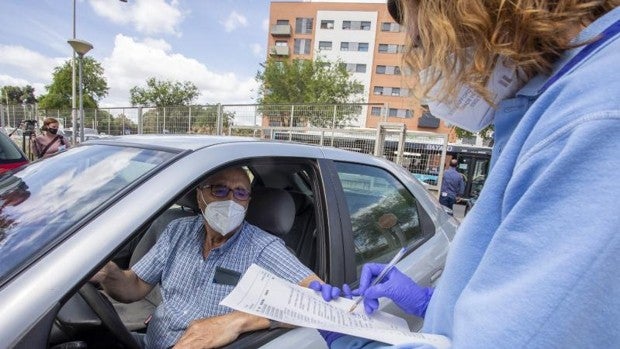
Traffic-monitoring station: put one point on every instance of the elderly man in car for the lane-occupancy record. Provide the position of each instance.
(197, 261)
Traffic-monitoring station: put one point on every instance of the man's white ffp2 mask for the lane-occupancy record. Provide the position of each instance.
(470, 111)
(224, 216)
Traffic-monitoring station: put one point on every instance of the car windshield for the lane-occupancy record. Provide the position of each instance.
(40, 204)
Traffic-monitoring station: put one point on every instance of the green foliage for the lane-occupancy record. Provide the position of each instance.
(307, 82)
(164, 93)
(11, 95)
(59, 92)
(203, 119)
(486, 133)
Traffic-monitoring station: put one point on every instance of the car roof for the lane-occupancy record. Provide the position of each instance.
(195, 142)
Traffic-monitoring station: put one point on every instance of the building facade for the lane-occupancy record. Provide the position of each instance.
(363, 35)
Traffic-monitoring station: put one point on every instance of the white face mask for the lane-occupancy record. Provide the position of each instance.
(470, 111)
(224, 216)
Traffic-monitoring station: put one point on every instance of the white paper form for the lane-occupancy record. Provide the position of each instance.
(261, 293)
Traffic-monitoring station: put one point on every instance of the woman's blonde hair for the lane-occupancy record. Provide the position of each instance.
(531, 33)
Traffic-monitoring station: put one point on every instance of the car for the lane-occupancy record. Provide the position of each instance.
(11, 156)
(63, 218)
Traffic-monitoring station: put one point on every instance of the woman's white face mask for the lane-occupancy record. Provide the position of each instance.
(223, 216)
(470, 111)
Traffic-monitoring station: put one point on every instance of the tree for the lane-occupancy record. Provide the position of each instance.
(161, 93)
(306, 81)
(59, 92)
(17, 95)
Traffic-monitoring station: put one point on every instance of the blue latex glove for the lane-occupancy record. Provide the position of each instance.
(329, 336)
(409, 296)
(330, 292)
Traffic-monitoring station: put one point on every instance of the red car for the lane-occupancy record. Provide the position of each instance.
(10, 155)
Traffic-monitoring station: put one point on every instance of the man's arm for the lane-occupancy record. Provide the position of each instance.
(122, 285)
(217, 331)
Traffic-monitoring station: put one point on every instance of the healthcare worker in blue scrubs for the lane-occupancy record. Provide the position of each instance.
(536, 263)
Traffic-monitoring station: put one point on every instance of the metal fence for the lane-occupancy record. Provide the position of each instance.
(341, 126)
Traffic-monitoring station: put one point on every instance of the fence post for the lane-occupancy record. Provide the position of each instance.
(163, 129)
(189, 120)
(140, 126)
(95, 126)
(219, 127)
(109, 122)
(290, 126)
(2, 116)
(334, 124)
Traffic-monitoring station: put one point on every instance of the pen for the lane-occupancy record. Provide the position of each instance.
(381, 275)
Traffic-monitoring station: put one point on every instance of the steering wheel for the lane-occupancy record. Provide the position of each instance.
(105, 311)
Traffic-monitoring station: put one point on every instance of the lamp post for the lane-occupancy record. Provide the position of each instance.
(80, 47)
(73, 117)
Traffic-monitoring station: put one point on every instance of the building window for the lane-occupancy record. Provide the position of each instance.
(302, 46)
(375, 111)
(378, 90)
(395, 91)
(400, 113)
(303, 25)
(390, 27)
(327, 24)
(325, 45)
(390, 48)
(381, 69)
(281, 43)
(354, 67)
(354, 46)
(356, 25)
(282, 22)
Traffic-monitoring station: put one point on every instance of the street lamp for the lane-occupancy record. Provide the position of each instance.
(80, 47)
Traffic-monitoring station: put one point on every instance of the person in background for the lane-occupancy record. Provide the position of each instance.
(197, 261)
(49, 142)
(452, 186)
(535, 262)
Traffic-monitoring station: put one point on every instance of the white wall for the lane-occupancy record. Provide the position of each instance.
(338, 35)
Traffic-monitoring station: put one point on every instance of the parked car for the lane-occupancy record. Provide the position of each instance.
(11, 156)
(63, 218)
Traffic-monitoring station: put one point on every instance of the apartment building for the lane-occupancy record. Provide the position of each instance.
(363, 35)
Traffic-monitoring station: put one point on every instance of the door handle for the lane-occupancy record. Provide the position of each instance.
(436, 275)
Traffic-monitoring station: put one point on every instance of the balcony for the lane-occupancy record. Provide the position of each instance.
(281, 30)
(427, 120)
(279, 50)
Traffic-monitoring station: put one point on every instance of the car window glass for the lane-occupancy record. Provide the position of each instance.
(384, 215)
(8, 150)
(44, 200)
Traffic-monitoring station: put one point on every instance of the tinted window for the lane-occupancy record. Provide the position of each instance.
(384, 214)
(42, 202)
(8, 150)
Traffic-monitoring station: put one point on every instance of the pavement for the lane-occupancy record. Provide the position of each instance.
(458, 211)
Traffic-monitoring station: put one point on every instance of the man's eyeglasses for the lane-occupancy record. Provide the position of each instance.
(221, 191)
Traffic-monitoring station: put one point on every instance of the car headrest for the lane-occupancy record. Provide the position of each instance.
(189, 201)
(272, 210)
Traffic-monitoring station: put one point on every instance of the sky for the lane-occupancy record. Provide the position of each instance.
(216, 44)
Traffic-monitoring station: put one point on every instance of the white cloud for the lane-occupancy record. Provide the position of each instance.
(257, 50)
(34, 64)
(147, 16)
(132, 62)
(266, 24)
(234, 21)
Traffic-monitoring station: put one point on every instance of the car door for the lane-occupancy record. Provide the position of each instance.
(383, 216)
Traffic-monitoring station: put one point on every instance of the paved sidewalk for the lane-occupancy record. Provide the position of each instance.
(458, 211)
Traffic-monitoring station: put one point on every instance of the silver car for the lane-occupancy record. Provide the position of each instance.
(62, 218)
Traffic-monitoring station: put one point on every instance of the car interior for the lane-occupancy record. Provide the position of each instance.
(282, 203)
